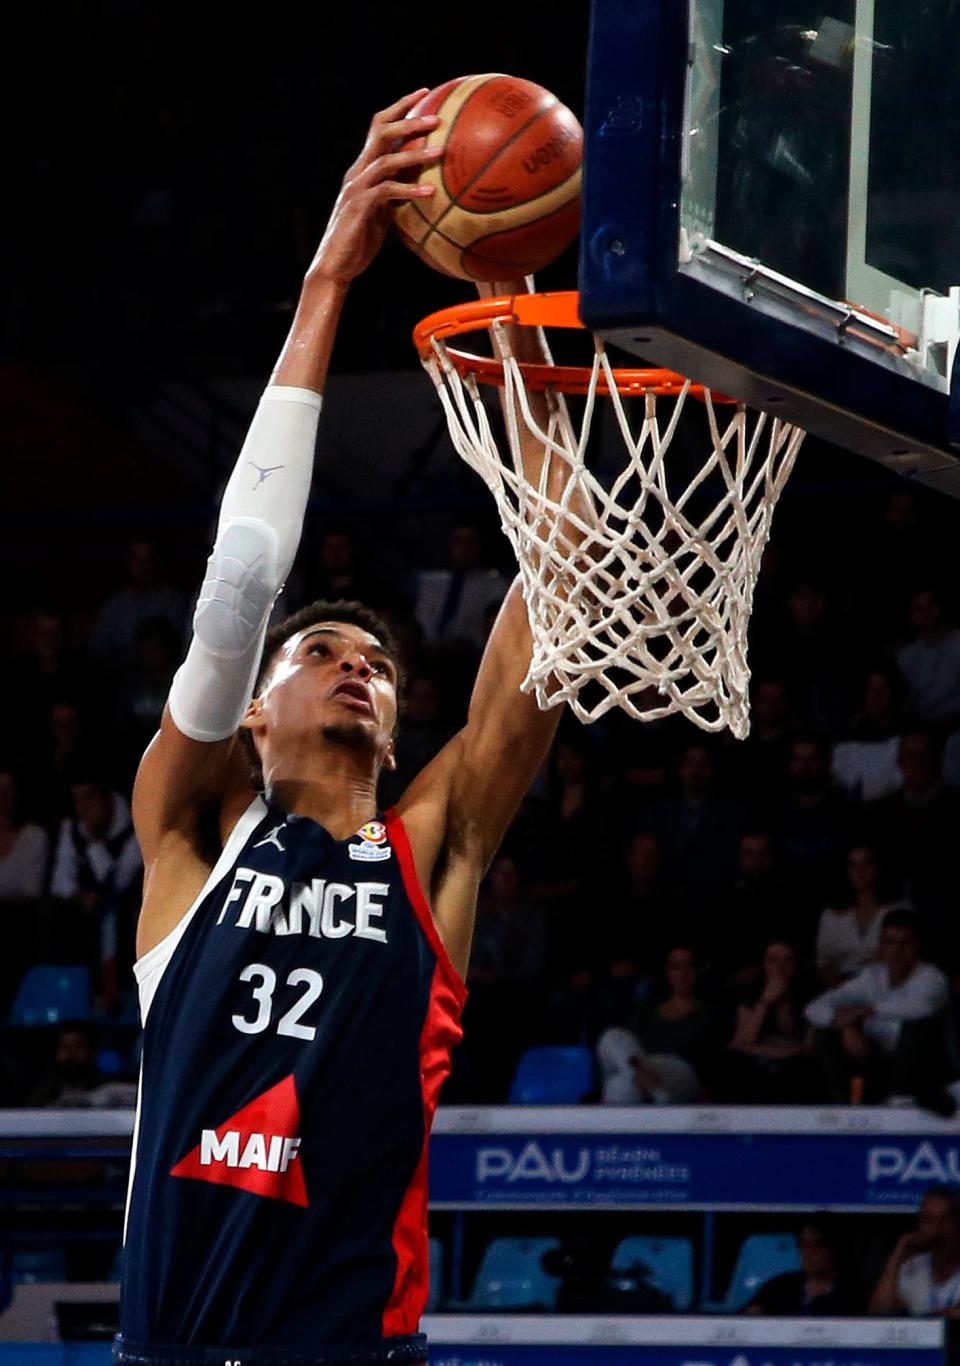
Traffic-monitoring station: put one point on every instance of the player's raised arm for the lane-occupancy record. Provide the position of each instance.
(192, 783)
(482, 775)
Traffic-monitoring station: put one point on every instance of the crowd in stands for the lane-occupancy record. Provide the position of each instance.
(769, 921)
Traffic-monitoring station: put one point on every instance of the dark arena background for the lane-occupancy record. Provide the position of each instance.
(653, 1146)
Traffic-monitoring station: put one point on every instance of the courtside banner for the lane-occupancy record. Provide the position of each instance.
(577, 1340)
(483, 1340)
(856, 1159)
(653, 1157)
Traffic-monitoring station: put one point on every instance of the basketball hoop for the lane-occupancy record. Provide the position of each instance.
(638, 580)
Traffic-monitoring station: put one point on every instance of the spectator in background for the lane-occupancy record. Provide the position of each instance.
(886, 1024)
(805, 648)
(97, 867)
(143, 687)
(567, 832)
(813, 822)
(24, 853)
(768, 1058)
(508, 963)
(660, 1052)
(699, 828)
(72, 1077)
(848, 938)
(337, 573)
(24, 847)
(865, 765)
(147, 596)
(452, 603)
(44, 672)
(918, 825)
(423, 733)
(922, 1274)
(817, 1288)
(931, 662)
(59, 748)
(640, 913)
(638, 766)
(511, 941)
(762, 758)
(737, 926)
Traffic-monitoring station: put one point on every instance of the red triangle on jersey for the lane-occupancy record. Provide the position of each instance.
(256, 1150)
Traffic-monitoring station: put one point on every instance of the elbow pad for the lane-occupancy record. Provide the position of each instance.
(260, 522)
(213, 686)
(239, 589)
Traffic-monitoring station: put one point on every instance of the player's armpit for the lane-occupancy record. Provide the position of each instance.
(460, 806)
(182, 782)
(458, 809)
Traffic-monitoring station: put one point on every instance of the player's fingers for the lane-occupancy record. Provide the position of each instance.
(387, 190)
(407, 128)
(385, 167)
(399, 108)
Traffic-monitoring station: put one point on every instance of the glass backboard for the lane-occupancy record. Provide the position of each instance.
(772, 205)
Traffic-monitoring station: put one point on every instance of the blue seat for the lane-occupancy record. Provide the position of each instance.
(762, 1256)
(666, 1264)
(558, 1075)
(435, 1265)
(49, 995)
(511, 1276)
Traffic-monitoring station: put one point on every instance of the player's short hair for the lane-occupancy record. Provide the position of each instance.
(354, 614)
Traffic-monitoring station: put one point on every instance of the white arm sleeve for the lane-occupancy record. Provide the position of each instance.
(261, 518)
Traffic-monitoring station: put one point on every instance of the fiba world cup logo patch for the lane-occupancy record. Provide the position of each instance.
(373, 847)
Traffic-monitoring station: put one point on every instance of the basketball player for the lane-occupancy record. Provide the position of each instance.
(300, 955)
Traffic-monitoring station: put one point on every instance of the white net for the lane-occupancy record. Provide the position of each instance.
(639, 585)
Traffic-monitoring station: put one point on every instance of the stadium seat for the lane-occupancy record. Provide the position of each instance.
(435, 1296)
(667, 1264)
(559, 1075)
(49, 995)
(511, 1276)
(762, 1256)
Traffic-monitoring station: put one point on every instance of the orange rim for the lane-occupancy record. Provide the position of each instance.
(558, 309)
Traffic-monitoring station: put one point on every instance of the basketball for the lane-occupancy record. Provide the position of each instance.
(507, 189)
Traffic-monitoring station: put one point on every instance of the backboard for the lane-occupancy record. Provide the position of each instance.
(772, 206)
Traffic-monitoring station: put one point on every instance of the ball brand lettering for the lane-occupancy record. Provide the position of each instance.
(924, 1164)
(321, 909)
(511, 102)
(266, 1152)
(532, 1163)
(548, 151)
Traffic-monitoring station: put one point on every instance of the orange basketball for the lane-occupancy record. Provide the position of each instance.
(507, 196)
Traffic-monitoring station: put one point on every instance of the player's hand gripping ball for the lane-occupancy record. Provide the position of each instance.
(507, 188)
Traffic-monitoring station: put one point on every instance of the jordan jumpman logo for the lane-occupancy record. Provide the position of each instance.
(264, 472)
(272, 838)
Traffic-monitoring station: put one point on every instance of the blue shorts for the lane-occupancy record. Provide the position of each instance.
(399, 1351)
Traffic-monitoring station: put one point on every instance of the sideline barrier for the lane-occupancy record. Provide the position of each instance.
(850, 1159)
(487, 1340)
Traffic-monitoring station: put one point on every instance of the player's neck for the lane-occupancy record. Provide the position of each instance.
(336, 789)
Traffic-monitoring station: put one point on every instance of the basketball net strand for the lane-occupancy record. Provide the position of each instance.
(625, 588)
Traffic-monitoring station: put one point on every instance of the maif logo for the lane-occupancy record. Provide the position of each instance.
(924, 1164)
(256, 1150)
(532, 1163)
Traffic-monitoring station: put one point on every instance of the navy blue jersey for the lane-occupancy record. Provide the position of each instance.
(298, 1023)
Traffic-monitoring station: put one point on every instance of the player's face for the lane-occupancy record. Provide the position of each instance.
(333, 679)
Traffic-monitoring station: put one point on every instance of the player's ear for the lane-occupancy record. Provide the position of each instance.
(251, 717)
(390, 757)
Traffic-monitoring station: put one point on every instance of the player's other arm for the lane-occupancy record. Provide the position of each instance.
(192, 783)
(460, 806)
